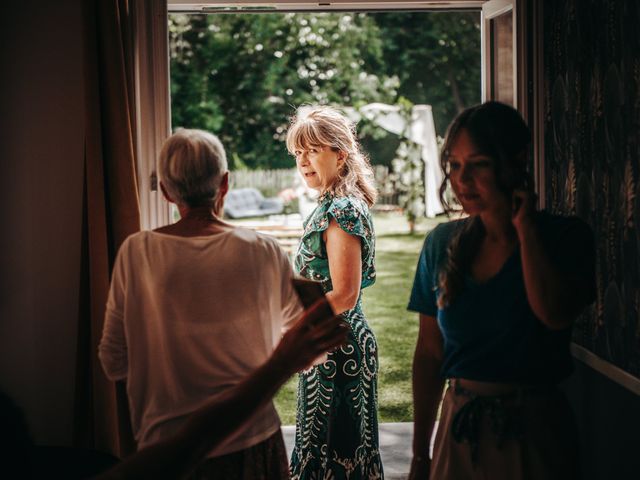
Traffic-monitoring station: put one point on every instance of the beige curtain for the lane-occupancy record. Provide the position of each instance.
(110, 214)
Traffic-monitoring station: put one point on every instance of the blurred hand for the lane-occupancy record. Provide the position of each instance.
(419, 469)
(317, 331)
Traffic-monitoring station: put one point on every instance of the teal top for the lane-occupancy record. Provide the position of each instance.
(490, 332)
(352, 215)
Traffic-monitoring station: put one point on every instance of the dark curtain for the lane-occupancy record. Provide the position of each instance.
(110, 214)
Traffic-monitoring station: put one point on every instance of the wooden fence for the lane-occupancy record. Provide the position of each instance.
(270, 182)
(386, 182)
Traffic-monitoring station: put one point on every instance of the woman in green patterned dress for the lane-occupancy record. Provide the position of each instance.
(337, 424)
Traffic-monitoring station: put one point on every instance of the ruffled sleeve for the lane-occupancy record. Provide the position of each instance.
(352, 215)
(352, 219)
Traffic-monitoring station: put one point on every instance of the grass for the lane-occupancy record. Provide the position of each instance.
(385, 306)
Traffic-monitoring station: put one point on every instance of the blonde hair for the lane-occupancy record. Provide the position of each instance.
(326, 127)
(191, 165)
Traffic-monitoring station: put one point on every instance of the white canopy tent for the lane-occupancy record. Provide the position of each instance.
(421, 131)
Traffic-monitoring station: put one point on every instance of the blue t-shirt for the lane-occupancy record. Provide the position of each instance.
(490, 332)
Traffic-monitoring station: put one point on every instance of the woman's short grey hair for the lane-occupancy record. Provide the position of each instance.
(191, 165)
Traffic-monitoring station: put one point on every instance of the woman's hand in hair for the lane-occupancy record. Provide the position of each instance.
(523, 207)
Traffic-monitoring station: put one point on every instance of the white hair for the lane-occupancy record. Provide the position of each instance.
(191, 165)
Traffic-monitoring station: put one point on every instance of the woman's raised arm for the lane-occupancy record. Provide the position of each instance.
(555, 296)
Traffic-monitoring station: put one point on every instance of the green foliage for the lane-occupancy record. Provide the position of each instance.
(436, 57)
(258, 68)
(241, 76)
(237, 162)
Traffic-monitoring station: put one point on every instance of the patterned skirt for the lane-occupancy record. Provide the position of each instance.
(337, 424)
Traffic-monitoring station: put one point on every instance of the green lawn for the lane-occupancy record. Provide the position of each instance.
(385, 307)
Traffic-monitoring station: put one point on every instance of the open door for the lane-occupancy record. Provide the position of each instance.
(512, 68)
(500, 79)
(499, 50)
(510, 46)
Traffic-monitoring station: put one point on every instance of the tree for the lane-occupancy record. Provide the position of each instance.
(436, 56)
(241, 76)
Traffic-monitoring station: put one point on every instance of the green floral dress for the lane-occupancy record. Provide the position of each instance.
(337, 424)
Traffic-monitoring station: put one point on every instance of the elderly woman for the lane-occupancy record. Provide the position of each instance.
(194, 307)
(317, 331)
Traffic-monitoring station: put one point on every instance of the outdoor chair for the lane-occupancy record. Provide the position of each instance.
(249, 202)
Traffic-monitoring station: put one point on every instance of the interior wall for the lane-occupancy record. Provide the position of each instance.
(592, 169)
(41, 155)
(608, 418)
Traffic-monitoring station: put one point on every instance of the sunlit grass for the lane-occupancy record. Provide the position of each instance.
(385, 306)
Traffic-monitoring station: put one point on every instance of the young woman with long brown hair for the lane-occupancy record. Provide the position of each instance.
(497, 293)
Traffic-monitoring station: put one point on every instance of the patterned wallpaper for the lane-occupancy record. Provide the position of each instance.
(592, 155)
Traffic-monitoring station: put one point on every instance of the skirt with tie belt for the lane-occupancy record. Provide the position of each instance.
(528, 433)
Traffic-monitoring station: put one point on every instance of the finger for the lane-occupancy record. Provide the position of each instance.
(340, 327)
(318, 331)
(328, 324)
(516, 203)
(329, 345)
(336, 337)
(310, 316)
(340, 330)
(319, 311)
